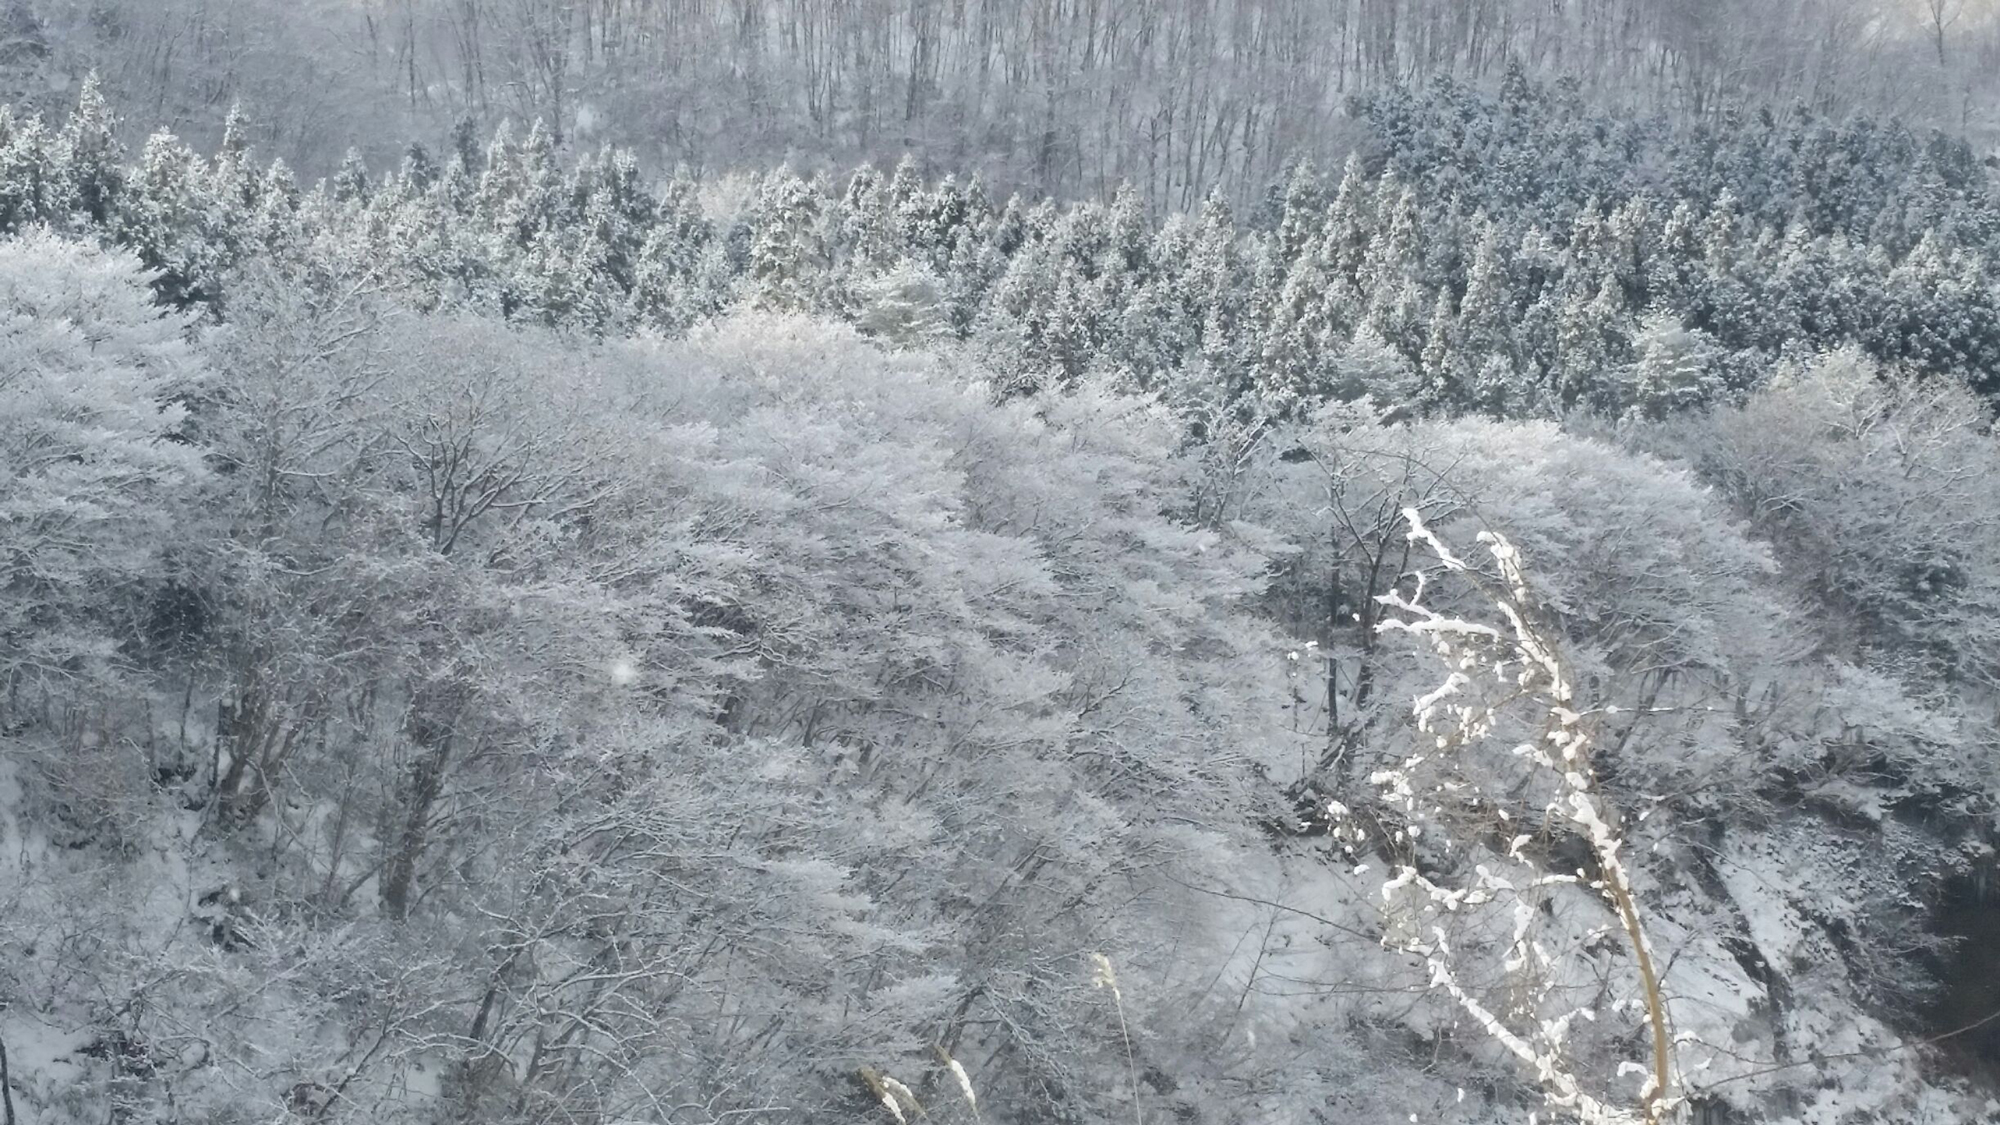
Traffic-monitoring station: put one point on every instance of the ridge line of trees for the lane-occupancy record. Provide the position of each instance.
(1518, 255)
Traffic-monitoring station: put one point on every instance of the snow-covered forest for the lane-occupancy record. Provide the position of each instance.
(1350, 563)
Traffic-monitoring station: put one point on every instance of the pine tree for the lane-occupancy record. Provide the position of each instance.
(29, 185)
(906, 188)
(930, 220)
(1152, 336)
(1672, 369)
(904, 308)
(275, 224)
(1445, 380)
(1486, 311)
(1310, 321)
(1302, 214)
(1798, 293)
(682, 277)
(1400, 316)
(501, 182)
(970, 274)
(1347, 226)
(350, 183)
(1721, 306)
(1395, 254)
(1627, 234)
(88, 162)
(788, 258)
(1017, 324)
(1215, 285)
(869, 240)
(1130, 236)
(1592, 341)
(233, 180)
(1674, 276)
(1009, 230)
(419, 170)
(160, 216)
(617, 211)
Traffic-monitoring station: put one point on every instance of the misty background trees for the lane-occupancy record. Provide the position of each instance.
(1067, 97)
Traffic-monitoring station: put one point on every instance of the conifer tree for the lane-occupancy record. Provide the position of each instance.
(1485, 328)
(1395, 253)
(28, 190)
(1214, 285)
(1130, 236)
(419, 170)
(87, 161)
(970, 274)
(350, 183)
(788, 256)
(160, 216)
(1721, 303)
(1302, 212)
(1309, 323)
(1674, 277)
(905, 191)
(233, 180)
(1592, 341)
(1672, 369)
(1445, 379)
(868, 238)
(1009, 229)
(501, 181)
(275, 224)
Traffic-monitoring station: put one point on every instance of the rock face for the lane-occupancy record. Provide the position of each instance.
(1967, 1008)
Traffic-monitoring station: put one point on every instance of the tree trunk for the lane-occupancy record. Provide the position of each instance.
(426, 785)
(6, 1088)
(432, 729)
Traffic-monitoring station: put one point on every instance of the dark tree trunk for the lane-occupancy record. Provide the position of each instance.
(431, 729)
(6, 1088)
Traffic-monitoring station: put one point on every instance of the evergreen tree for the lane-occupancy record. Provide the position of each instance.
(1674, 277)
(161, 216)
(1721, 304)
(501, 181)
(905, 201)
(904, 308)
(788, 255)
(1395, 253)
(1215, 285)
(419, 170)
(1348, 224)
(233, 180)
(351, 184)
(1445, 377)
(1310, 322)
(87, 162)
(1302, 213)
(1009, 229)
(29, 192)
(1485, 328)
(1592, 342)
(275, 224)
(1672, 369)
(1130, 237)
(975, 267)
(869, 240)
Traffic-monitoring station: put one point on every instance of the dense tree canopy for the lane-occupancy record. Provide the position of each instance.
(500, 639)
